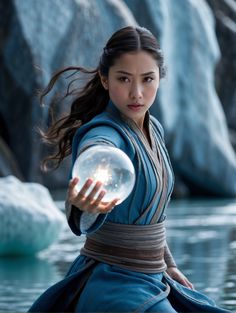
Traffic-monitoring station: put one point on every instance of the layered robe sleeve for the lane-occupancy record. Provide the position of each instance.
(84, 222)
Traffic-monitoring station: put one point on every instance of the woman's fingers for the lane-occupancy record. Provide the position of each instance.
(108, 208)
(184, 281)
(77, 198)
(177, 275)
(71, 192)
(96, 205)
(189, 285)
(74, 181)
(82, 192)
(90, 197)
(87, 203)
(99, 198)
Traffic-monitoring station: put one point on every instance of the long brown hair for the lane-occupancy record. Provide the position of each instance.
(93, 98)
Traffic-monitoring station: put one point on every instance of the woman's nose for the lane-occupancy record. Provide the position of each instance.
(136, 92)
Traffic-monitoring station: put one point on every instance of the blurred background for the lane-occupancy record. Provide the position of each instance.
(196, 105)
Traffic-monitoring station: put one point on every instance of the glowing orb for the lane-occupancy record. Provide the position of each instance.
(109, 165)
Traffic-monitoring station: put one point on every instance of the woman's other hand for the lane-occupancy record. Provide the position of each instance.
(89, 203)
(177, 275)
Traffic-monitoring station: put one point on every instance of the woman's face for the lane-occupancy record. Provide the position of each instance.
(132, 83)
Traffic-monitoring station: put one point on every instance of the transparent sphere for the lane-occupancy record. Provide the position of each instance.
(109, 165)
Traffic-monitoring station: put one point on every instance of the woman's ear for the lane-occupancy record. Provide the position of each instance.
(104, 80)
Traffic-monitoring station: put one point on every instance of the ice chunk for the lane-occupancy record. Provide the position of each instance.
(29, 219)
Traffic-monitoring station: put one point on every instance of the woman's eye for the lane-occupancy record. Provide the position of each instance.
(148, 79)
(124, 79)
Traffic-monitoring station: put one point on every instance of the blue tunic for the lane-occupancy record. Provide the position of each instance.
(92, 286)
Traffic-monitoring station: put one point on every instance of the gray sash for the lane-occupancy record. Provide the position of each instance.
(134, 247)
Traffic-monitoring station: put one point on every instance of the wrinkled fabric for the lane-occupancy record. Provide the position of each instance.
(92, 286)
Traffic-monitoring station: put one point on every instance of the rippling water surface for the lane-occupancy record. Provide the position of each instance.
(201, 235)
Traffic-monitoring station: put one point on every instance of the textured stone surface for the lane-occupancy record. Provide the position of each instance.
(188, 105)
(8, 164)
(40, 37)
(225, 14)
(29, 219)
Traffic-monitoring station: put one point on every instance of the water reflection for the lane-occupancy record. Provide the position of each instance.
(21, 280)
(201, 235)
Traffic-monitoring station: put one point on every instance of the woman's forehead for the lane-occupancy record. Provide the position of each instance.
(141, 62)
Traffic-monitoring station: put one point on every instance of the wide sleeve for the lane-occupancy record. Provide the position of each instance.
(84, 222)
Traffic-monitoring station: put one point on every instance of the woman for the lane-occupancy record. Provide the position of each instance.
(125, 264)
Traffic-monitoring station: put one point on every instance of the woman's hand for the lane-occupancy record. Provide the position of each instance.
(89, 203)
(177, 275)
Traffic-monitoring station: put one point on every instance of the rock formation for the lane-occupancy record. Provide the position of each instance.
(225, 16)
(39, 38)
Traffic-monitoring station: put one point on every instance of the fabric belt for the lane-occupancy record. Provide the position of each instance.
(135, 247)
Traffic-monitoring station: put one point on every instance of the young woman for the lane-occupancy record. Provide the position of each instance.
(125, 264)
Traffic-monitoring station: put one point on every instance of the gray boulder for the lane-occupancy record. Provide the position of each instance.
(188, 106)
(29, 219)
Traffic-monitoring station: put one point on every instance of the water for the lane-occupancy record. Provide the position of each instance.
(201, 235)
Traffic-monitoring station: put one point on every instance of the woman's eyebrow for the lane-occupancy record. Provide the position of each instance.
(130, 74)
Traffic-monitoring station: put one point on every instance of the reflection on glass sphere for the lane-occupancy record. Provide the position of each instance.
(109, 165)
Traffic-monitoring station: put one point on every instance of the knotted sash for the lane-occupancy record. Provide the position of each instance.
(134, 247)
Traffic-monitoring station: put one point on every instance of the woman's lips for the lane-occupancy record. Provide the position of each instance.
(135, 107)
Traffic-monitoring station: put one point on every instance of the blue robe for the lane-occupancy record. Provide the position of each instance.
(93, 286)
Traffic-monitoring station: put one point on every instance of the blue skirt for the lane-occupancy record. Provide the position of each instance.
(92, 286)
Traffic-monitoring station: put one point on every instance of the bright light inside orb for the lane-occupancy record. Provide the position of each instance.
(102, 174)
(109, 165)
